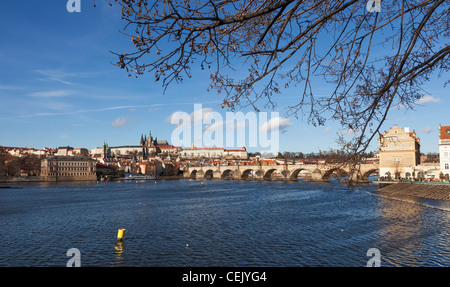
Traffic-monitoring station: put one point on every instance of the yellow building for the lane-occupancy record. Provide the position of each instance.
(68, 168)
(399, 151)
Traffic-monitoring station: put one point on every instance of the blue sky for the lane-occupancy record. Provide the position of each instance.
(58, 87)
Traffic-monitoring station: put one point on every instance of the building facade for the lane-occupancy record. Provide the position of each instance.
(68, 168)
(399, 152)
(213, 153)
(444, 150)
(147, 147)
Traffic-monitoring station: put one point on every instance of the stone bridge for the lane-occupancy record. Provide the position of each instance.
(288, 172)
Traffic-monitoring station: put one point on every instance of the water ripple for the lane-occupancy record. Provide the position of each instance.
(219, 223)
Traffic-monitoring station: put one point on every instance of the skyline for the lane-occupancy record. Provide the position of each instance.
(59, 87)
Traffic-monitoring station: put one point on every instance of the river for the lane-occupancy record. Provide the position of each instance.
(219, 223)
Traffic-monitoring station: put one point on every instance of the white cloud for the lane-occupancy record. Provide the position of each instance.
(56, 75)
(275, 123)
(216, 126)
(119, 122)
(228, 125)
(51, 94)
(180, 119)
(350, 132)
(427, 130)
(197, 116)
(427, 99)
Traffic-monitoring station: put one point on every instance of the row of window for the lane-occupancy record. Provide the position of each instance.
(399, 147)
(69, 163)
(71, 173)
(71, 168)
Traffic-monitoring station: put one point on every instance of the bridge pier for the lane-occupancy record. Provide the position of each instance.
(318, 173)
(317, 176)
(217, 174)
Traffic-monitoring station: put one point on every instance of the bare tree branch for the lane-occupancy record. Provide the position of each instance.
(371, 62)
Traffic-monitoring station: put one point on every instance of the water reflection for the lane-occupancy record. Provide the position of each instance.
(223, 223)
(410, 230)
(401, 226)
(119, 251)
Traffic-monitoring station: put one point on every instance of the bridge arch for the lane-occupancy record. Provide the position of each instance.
(227, 174)
(295, 173)
(249, 174)
(365, 176)
(338, 170)
(193, 174)
(268, 174)
(209, 174)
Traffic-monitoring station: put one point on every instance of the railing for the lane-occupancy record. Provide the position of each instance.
(425, 180)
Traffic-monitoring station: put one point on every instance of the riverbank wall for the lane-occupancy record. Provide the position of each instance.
(21, 179)
(422, 190)
(25, 179)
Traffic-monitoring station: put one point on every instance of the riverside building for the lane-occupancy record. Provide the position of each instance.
(68, 168)
(444, 150)
(399, 151)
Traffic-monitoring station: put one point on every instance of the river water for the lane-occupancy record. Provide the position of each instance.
(219, 223)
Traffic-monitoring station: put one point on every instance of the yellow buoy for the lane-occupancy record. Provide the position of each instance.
(120, 234)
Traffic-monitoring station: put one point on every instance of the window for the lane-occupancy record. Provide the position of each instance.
(446, 166)
(396, 160)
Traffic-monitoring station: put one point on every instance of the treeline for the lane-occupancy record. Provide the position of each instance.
(431, 157)
(329, 156)
(26, 165)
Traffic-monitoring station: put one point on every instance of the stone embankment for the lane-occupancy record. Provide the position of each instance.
(423, 190)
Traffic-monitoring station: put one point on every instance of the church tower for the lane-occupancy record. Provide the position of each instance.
(106, 150)
(149, 141)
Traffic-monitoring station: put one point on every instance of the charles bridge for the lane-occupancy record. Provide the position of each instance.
(287, 172)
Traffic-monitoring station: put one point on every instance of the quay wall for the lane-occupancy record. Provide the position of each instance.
(13, 179)
(25, 179)
(423, 190)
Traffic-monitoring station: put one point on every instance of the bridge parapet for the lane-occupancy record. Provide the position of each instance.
(285, 172)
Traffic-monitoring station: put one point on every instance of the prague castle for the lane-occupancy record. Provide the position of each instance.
(148, 146)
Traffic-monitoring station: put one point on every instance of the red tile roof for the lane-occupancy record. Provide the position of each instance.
(444, 135)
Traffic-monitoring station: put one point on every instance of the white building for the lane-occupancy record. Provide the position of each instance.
(444, 149)
(215, 153)
(202, 152)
